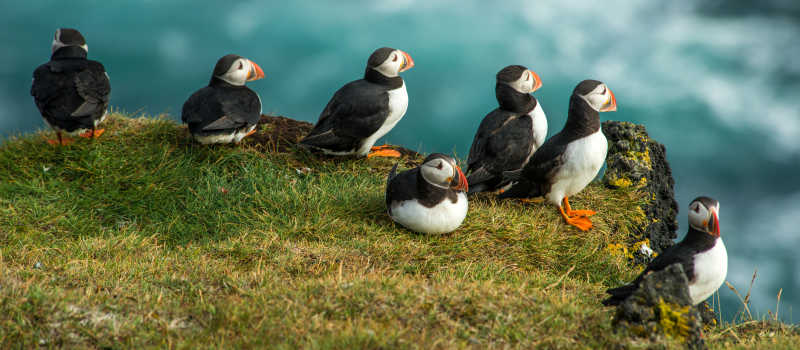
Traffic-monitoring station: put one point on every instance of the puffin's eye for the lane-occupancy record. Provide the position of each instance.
(697, 208)
(604, 90)
(394, 58)
(439, 166)
(241, 65)
(527, 76)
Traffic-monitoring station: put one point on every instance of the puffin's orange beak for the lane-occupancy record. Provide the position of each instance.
(255, 72)
(538, 83)
(407, 62)
(611, 105)
(713, 226)
(462, 184)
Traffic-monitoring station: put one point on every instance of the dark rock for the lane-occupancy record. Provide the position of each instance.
(662, 307)
(636, 160)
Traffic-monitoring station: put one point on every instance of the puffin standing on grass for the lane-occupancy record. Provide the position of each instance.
(509, 135)
(225, 111)
(701, 254)
(71, 92)
(569, 160)
(430, 198)
(362, 111)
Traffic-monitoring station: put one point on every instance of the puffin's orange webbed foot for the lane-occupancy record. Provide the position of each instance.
(92, 134)
(571, 213)
(581, 222)
(384, 151)
(250, 133)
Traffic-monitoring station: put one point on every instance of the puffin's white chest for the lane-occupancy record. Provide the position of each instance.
(398, 104)
(442, 218)
(710, 270)
(583, 159)
(539, 125)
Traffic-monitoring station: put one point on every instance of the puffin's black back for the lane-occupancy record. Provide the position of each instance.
(355, 112)
(71, 91)
(221, 107)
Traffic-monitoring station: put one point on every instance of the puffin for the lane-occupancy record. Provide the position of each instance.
(571, 159)
(701, 253)
(225, 111)
(71, 91)
(430, 198)
(362, 111)
(509, 135)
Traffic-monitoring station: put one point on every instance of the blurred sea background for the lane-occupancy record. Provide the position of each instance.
(718, 82)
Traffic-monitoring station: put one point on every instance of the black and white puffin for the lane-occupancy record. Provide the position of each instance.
(701, 253)
(71, 92)
(225, 111)
(362, 111)
(571, 159)
(509, 135)
(430, 198)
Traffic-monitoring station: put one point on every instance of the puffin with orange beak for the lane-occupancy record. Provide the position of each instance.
(364, 110)
(509, 135)
(701, 253)
(225, 111)
(430, 198)
(571, 159)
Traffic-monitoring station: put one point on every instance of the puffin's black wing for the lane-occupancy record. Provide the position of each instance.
(71, 93)
(94, 87)
(675, 254)
(355, 112)
(536, 177)
(503, 143)
(401, 187)
(223, 108)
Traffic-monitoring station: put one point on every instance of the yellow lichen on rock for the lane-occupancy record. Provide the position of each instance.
(673, 319)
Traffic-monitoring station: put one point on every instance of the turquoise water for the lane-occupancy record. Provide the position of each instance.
(717, 84)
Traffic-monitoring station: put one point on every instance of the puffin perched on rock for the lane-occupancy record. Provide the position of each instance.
(362, 111)
(71, 92)
(701, 254)
(509, 135)
(569, 160)
(430, 198)
(225, 111)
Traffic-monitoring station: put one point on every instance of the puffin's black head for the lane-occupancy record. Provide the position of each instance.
(389, 61)
(519, 78)
(704, 215)
(442, 171)
(68, 37)
(597, 95)
(236, 70)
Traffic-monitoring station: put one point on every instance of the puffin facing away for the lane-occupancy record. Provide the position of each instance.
(362, 111)
(569, 160)
(71, 91)
(430, 198)
(509, 135)
(701, 254)
(226, 110)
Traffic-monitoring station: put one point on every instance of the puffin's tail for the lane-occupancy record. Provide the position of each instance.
(520, 188)
(619, 294)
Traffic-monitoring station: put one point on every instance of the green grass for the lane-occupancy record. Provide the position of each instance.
(142, 238)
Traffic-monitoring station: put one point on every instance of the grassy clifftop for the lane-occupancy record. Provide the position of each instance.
(143, 238)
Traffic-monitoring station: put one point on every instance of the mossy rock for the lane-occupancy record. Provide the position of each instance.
(635, 160)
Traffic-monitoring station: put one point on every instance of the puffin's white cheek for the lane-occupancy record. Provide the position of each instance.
(597, 100)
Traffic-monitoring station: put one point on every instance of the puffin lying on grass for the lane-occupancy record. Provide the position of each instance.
(509, 135)
(430, 198)
(362, 111)
(71, 92)
(571, 159)
(225, 111)
(701, 253)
